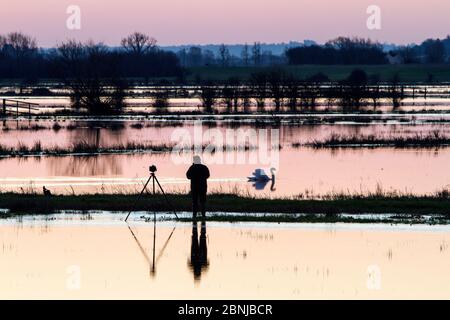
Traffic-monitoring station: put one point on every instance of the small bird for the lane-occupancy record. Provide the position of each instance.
(47, 192)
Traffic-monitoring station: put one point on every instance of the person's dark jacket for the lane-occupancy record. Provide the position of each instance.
(198, 174)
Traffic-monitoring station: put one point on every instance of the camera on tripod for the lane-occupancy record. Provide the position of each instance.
(153, 177)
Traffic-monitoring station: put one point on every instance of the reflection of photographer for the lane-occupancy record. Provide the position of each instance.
(199, 175)
(199, 251)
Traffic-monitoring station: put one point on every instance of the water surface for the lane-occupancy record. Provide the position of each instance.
(99, 256)
(302, 171)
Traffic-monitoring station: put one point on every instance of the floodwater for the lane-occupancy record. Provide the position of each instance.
(417, 98)
(303, 172)
(98, 256)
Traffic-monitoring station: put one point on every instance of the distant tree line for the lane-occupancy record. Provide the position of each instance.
(95, 74)
(251, 55)
(433, 51)
(20, 58)
(344, 51)
(348, 51)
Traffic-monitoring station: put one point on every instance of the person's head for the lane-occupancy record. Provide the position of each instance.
(197, 160)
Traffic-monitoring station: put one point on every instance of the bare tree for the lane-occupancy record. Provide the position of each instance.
(88, 71)
(70, 51)
(396, 92)
(208, 96)
(138, 43)
(21, 49)
(208, 58)
(20, 44)
(434, 51)
(161, 102)
(259, 89)
(276, 80)
(256, 53)
(70, 56)
(245, 55)
(195, 56)
(246, 93)
(228, 96)
(224, 55)
(2, 42)
(407, 54)
(292, 92)
(235, 82)
(309, 93)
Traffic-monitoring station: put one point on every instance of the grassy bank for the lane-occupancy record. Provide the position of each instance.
(406, 73)
(37, 204)
(409, 73)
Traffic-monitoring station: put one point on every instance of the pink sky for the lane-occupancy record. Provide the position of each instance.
(227, 21)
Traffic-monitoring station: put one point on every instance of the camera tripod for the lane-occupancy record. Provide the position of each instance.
(155, 181)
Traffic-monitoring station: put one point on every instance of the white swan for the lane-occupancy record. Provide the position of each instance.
(260, 176)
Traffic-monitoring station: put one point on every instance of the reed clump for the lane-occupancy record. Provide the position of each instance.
(435, 139)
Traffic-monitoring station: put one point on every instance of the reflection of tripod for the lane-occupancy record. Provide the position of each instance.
(155, 181)
(154, 261)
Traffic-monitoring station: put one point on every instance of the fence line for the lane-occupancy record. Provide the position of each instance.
(18, 107)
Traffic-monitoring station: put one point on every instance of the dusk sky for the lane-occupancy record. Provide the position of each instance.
(226, 21)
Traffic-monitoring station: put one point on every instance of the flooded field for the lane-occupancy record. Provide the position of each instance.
(95, 256)
(186, 99)
(302, 171)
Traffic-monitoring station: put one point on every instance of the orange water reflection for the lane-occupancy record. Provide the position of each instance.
(241, 261)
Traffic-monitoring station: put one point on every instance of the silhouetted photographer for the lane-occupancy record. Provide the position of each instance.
(199, 175)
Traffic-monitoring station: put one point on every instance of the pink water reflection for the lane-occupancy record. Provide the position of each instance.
(302, 171)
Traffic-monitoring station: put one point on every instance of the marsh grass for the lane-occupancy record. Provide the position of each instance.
(86, 148)
(379, 202)
(81, 147)
(56, 127)
(324, 218)
(137, 126)
(435, 139)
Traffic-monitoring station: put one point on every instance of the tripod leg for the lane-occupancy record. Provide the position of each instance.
(140, 195)
(154, 246)
(165, 196)
(154, 189)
